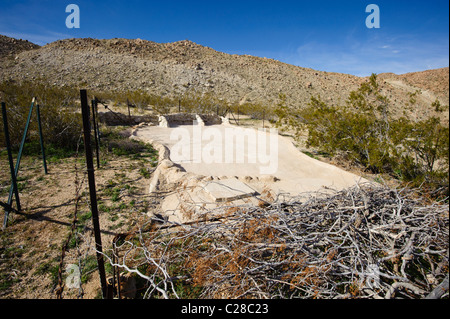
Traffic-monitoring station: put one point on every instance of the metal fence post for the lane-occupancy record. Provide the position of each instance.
(92, 191)
(95, 134)
(129, 112)
(97, 119)
(24, 137)
(19, 157)
(11, 162)
(41, 139)
(238, 115)
(264, 117)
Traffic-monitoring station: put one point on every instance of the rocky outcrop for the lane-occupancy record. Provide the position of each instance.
(9, 47)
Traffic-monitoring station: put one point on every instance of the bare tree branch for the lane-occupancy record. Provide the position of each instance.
(364, 242)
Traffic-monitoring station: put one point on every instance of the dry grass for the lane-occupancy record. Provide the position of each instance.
(32, 244)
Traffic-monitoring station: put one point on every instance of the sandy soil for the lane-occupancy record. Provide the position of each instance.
(31, 245)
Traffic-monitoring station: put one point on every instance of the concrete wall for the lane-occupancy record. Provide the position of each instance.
(188, 119)
(112, 119)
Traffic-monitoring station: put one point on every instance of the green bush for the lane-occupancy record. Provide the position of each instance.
(365, 133)
(422, 150)
(61, 121)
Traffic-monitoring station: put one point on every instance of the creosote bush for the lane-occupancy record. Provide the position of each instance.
(61, 123)
(191, 101)
(365, 132)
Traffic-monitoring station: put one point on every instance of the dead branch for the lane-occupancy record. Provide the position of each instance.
(364, 242)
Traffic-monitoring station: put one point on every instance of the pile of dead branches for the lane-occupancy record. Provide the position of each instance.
(364, 242)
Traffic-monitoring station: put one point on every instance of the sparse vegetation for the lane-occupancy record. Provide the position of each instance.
(329, 246)
(61, 123)
(365, 133)
(119, 203)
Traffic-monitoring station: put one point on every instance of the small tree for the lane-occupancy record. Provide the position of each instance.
(366, 134)
(61, 123)
(423, 149)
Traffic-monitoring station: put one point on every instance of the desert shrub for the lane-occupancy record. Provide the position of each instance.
(138, 98)
(126, 147)
(202, 103)
(423, 151)
(61, 123)
(162, 105)
(118, 142)
(359, 138)
(256, 111)
(364, 132)
(190, 102)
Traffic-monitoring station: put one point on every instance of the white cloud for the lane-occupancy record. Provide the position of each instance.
(401, 54)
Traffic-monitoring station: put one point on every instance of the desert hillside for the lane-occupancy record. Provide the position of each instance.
(174, 69)
(434, 81)
(9, 47)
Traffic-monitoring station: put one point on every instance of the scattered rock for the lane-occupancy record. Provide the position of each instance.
(171, 69)
(246, 179)
(163, 122)
(127, 286)
(166, 164)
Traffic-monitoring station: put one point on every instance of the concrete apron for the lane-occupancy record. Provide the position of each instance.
(205, 191)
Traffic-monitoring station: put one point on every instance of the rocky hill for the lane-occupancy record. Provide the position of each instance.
(431, 82)
(10, 47)
(173, 69)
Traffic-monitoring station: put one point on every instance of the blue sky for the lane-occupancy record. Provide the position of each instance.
(327, 35)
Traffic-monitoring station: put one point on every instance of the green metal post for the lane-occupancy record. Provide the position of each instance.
(24, 137)
(96, 121)
(92, 190)
(10, 159)
(19, 157)
(95, 134)
(41, 138)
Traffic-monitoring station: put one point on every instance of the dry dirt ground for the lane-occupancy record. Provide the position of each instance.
(31, 246)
